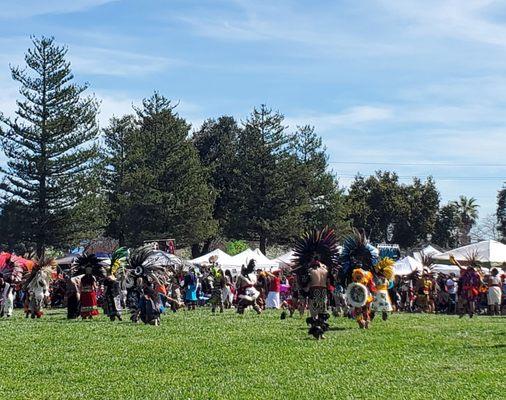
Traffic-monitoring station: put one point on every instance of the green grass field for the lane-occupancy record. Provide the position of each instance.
(194, 355)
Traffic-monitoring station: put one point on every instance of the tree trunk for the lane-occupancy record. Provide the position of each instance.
(195, 250)
(263, 243)
(206, 247)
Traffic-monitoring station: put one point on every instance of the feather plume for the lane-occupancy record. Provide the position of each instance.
(385, 267)
(118, 260)
(42, 270)
(85, 261)
(153, 266)
(321, 244)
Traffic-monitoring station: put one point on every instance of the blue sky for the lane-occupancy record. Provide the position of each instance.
(420, 84)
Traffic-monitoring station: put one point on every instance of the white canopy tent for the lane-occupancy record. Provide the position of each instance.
(223, 258)
(407, 265)
(429, 251)
(262, 262)
(445, 269)
(489, 253)
(285, 260)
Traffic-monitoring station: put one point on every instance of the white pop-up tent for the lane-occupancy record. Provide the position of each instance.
(262, 262)
(429, 251)
(407, 265)
(489, 253)
(222, 258)
(285, 260)
(446, 269)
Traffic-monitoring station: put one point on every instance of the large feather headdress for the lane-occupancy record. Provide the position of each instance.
(118, 261)
(321, 244)
(153, 266)
(85, 261)
(356, 247)
(357, 253)
(385, 267)
(42, 271)
(9, 270)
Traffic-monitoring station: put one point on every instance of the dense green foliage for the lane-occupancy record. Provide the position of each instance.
(194, 355)
(50, 145)
(236, 247)
(392, 212)
(163, 183)
(446, 232)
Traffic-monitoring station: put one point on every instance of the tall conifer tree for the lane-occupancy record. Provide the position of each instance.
(50, 145)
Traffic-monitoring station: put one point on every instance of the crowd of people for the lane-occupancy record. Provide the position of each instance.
(354, 283)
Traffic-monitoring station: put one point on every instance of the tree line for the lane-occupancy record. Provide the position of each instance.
(148, 175)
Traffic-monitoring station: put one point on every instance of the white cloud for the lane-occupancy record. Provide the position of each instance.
(350, 118)
(27, 8)
(458, 19)
(104, 61)
(283, 22)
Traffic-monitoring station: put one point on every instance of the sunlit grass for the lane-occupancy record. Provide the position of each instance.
(195, 355)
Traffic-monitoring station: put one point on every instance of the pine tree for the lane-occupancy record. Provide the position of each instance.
(320, 200)
(50, 145)
(216, 142)
(164, 182)
(117, 137)
(261, 190)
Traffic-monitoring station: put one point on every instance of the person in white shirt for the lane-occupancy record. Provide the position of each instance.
(451, 289)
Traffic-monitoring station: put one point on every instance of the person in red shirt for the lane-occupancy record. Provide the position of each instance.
(273, 299)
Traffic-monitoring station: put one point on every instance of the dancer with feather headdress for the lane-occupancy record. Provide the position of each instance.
(359, 258)
(37, 285)
(147, 271)
(382, 276)
(315, 254)
(112, 286)
(89, 265)
(469, 284)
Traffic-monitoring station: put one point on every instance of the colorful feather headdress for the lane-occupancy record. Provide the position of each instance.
(118, 261)
(356, 247)
(385, 267)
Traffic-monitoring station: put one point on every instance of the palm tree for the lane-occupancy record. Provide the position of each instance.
(468, 211)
